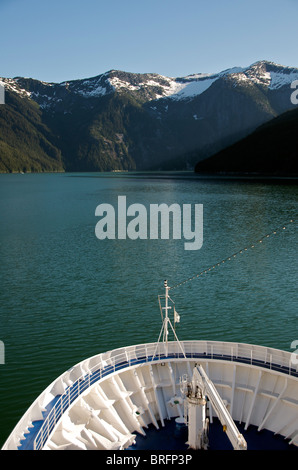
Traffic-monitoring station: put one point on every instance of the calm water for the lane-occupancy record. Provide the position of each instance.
(65, 295)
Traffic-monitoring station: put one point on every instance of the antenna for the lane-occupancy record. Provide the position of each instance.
(164, 332)
(166, 308)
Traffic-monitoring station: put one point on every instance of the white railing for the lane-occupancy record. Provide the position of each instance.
(94, 369)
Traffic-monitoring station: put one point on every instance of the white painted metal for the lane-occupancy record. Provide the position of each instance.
(196, 392)
(195, 412)
(96, 418)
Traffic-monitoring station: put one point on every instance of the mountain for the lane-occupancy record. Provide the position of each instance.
(270, 150)
(127, 121)
(26, 143)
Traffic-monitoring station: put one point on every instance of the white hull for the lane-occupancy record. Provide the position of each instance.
(105, 401)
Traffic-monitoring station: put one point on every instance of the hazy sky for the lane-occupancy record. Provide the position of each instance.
(57, 40)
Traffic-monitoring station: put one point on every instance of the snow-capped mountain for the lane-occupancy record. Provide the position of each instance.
(153, 86)
(122, 120)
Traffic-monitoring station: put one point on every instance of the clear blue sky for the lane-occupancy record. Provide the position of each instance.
(57, 40)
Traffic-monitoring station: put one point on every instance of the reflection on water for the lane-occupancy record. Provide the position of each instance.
(65, 295)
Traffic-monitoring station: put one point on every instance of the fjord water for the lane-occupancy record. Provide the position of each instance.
(66, 295)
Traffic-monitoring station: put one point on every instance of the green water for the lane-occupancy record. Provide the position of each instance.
(65, 295)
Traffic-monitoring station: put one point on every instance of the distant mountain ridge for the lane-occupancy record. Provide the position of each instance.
(271, 150)
(127, 121)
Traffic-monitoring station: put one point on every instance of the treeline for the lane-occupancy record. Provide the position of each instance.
(26, 144)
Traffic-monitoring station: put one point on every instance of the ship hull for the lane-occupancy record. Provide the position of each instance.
(107, 401)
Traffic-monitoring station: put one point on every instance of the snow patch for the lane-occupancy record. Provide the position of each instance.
(262, 73)
(12, 84)
(91, 89)
(272, 79)
(116, 83)
(279, 79)
(98, 91)
(173, 88)
(191, 89)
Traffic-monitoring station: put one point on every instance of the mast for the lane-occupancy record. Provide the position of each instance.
(164, 332)
(166, 320)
